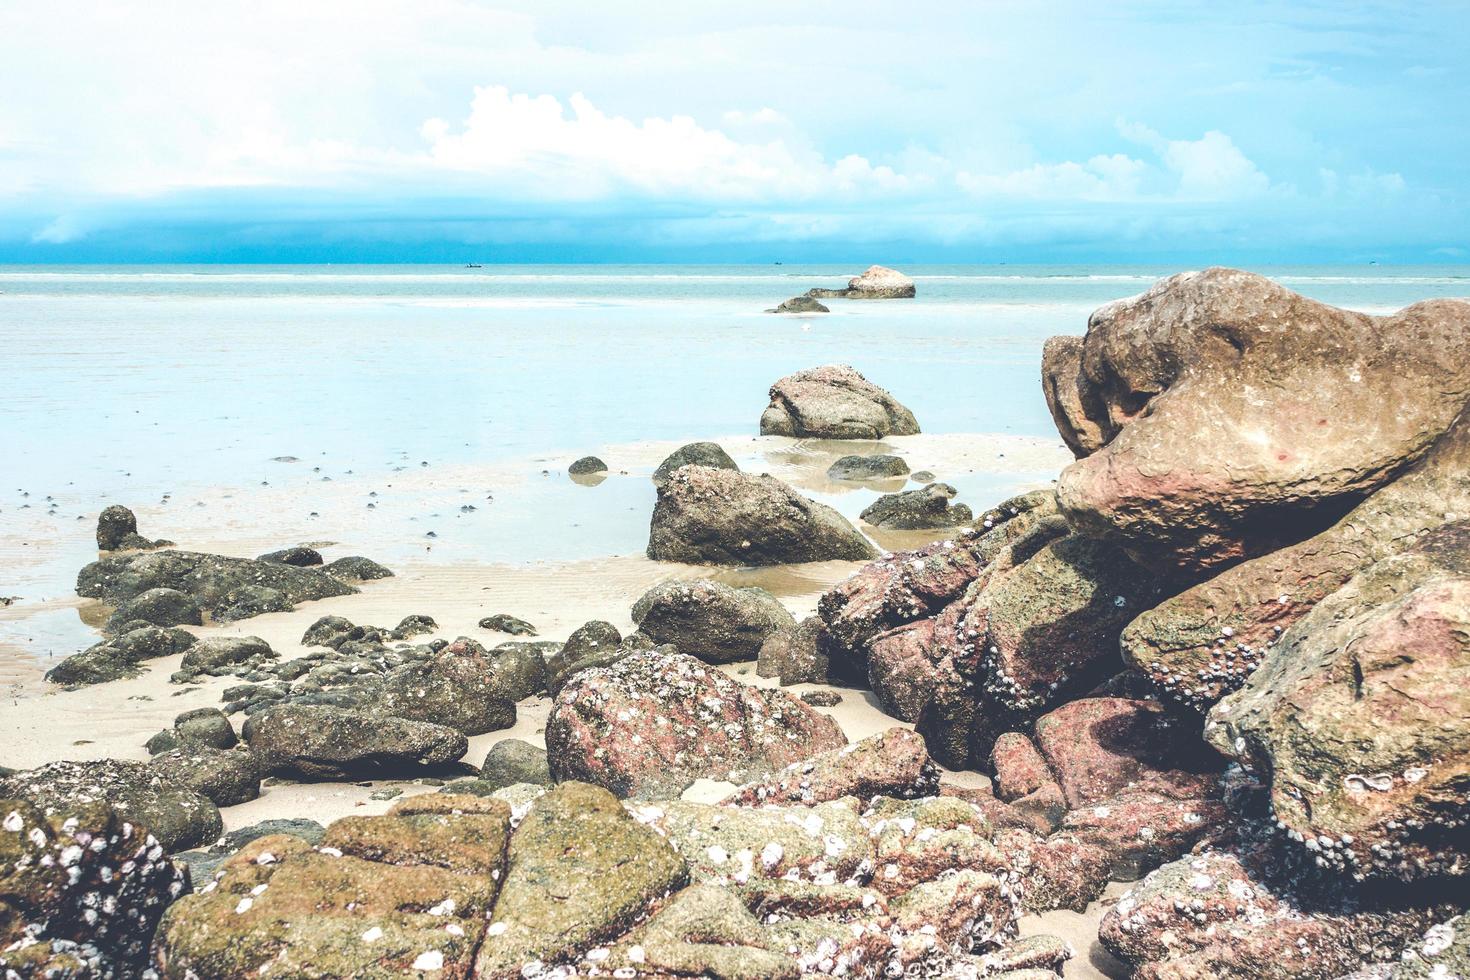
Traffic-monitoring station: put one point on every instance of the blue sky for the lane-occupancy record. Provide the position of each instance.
(446, 130)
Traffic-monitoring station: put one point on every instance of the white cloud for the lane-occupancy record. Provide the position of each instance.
(1211, 168)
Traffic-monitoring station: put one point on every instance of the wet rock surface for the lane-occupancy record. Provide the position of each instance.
(586, 466)
(861, 468)
(654, 722)
(918, 510)
(709, 454)
(800, 304)
(120, 656)
(711, 621)
(710, 516)
(834, 402)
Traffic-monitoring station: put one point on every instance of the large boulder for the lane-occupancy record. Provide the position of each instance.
(878, 282)
(708, 516)
(156, 607)
(593, 644)
(917, 510)
(693, 454)
(225, 777)
(834, 402)
(117, 530)
(654, 722)
(81, 890)
(1361, 718)
(710, 620)
(1227, 416)
(227, 588)
(120, 656)
(407, 893)
(457, 688)
(581, 870)
(175, 814)
(512, 761)
(323, 742)
(796, 654)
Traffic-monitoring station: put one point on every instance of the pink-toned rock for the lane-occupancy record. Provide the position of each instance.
(1019, 767)
(1060, 871)
(892, 763)
(1140, 829)
(1099, 747)
(652, 723)
(1238, 417)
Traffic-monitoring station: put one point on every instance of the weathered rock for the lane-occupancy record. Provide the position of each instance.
(710, 620)
(1019, 768)
(581, 871)
(204, 863)
(878, 282)
(800, 304)
(403, 893)
(119, 657)
(519, 668)
(456, 688)
(795, 654)
(414, 624)
(1215, 915)
(586, 466)
(1238, 417)
(81, 891)
(1442, 952)
(893, 763)
(1361, 718)
(654, 722)
(867, 468)
(356, 568)
(1141, 828)
(822, 698)
(220, 656)
(117, 530)
(694, 454)
(506, 623)
(917, 510)
(226, 778)
(325, 629)
(1058, 871)
(702, 931)
(179, 817)
(228, 588)
(300, 556)
(198, 726)
(156, 607)
(593, 644)
(513, 761)
(710, 516)
(321, 742)
(834, 402)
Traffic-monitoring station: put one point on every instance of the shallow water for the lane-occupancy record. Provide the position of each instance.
(178, 387)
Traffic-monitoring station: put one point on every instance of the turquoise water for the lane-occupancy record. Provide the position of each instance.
(125, 384)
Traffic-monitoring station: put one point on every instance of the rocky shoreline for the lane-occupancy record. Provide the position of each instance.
(1223, 659)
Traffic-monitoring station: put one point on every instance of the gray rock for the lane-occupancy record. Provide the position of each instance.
(520, 668)
(709, 620)
(200, 726)
(918, 510)
(834, 402)
(117, 530)
(511, 761)
(119, 657)
(860, 468)
(694, 454)
(506, 623)
(227, 777)
(878, 282)
(356, 568)
(156, 607)
(321, 742)
(800, 304)
(594, 644)
(586, 466)
(795, 654)
(220, 656)
(455, 688)
(301, 557)
(324, 629)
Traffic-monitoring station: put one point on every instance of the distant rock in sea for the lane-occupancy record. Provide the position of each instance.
(800, 304)
(879, 282)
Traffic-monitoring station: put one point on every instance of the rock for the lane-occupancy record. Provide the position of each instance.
(917, 510)
(81, 890)
(415, 624)
(117, 530)
(581, 871)
(219, 656)
(1360, 718)
(593, 644)
(892, 763)
(455, 688)
(1216, 915)
(654, 722)
(708, 516)
(321, 742)
(957, 913)
(227, 588)
(179, 817)
(795, 654)
(513, 761)
(708, 454)
(1057, 871)
(834, 402)
(406, 892)
(1098, 747)
(325, 629)
(863, 468)
(821, 698)
(1019, 768)
(301, 557)
(519, 669)
(1203, 643)
(156, 607)
(356, 569)
(878, 282)
(1041, 955)
(506, 623)
(1277, 418)
(586, 466)
(800, 304)
(709, 620)
(1140, 829)
(227, 778)
(203, 863)
(119, 657)
(199, 726)
(1443, 951)
(703, 931)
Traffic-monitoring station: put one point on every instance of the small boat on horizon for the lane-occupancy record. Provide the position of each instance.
(473, 265)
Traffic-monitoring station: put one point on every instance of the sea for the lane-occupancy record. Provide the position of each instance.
(156, 385)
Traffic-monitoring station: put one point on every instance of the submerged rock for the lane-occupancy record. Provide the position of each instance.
(878, 282)
(709, 516)
(800, 304)
(322, 742)
(586, 466)
(117, 530)
(834, 402)
(653, 723)
(694, 454)
(917, 510)
(861, 468)
(709, 620)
